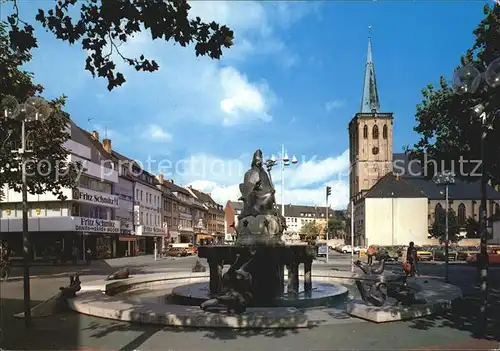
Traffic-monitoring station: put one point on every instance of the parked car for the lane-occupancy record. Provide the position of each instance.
(493, 258)
(176, 252)
(438, 254)
(388, 253)
(465, 251)
(346, 249)
(424, 254)
(358, 249)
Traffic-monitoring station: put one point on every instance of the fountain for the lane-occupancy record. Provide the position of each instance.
(258, 258)
(252, 293)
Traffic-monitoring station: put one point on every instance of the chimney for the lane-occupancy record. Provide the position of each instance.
(160, 178)
(95, 134)
(209, 194)
(171, 181)
(106, 144)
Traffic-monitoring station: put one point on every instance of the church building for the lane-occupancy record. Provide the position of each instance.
(392, 201)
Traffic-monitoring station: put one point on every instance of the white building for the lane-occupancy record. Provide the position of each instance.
(147, 213)
(396, 211)
(185, 202)
(85, 219)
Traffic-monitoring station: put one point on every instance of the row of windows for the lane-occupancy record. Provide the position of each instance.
(461, 215)
(150, 219)
(375, 132)
(150, 198)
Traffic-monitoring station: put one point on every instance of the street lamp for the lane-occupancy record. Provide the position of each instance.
(468, 79)
(33, 109)
(284, 161)
(445, 178)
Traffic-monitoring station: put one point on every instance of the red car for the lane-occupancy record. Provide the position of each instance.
(493, 258)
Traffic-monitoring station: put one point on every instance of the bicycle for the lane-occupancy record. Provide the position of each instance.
(4, 271)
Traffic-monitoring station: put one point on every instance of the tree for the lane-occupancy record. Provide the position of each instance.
(311, 228)
(101, 26)
(48, 169)
(335, 225)
(448, 129)
(472, 227)
(439, 225)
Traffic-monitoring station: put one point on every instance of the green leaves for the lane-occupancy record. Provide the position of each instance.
(102, 25)
(448, 128)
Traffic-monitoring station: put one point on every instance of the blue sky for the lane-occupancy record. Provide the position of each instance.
(294, 76)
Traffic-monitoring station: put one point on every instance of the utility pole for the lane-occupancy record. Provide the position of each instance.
(328, 193)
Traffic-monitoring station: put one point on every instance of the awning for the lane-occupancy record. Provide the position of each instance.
(127, 238)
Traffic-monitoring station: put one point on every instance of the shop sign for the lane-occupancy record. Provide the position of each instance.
(94, 197)
(137, 214)
(153, 230)
(95, 225)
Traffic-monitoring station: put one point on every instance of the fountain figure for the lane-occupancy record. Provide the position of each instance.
(258, 258)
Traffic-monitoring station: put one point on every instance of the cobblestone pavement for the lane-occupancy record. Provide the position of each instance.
(72, 331)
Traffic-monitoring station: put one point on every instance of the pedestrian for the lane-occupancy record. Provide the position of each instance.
(88, 256)
(74, 255)
(370, 253)
(411, 257)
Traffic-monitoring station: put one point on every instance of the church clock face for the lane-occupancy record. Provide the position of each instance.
(375, 150)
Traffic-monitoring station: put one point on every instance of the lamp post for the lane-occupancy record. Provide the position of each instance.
(31, 110)
(284, 161)
(469, 80)
(445, 178)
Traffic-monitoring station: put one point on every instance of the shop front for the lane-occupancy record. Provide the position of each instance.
(149, 239)
(56, 236)
(98, 235)
(127, 242)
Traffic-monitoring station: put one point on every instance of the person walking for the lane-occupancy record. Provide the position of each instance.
(411, 258)
(74, 255)
(88, 256)
(370, 253)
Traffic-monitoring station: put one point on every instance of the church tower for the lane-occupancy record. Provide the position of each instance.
(370, 137)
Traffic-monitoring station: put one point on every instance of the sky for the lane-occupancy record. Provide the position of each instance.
(294, 77)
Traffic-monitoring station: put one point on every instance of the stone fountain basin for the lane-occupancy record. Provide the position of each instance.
(107, 299)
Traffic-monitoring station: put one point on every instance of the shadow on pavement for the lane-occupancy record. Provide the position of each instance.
(57, 332)
(465, 316)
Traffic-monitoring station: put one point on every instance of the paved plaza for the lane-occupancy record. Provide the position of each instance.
(72, 331)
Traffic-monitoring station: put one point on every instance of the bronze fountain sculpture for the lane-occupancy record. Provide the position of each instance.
(376, 294)
(258, 258)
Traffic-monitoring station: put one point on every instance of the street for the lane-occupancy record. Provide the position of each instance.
(74, 331)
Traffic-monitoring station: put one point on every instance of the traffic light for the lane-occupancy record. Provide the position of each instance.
(328, 191)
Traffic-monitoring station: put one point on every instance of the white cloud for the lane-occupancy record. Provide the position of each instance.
(334, 104)
(304, 184)
(241, 98)
(156, 133)
(210, 91)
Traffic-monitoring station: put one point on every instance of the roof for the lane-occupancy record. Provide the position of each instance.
(235, 205)
(370, 102)
(207, 200)
(176, 188)
(392, 186)
(303, 210)
(413, 173)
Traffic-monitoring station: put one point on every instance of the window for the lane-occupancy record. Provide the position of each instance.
(141, 195)
(497, 209)
(461, 214)
(365, 132)
(384, 131)
(375, 132)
